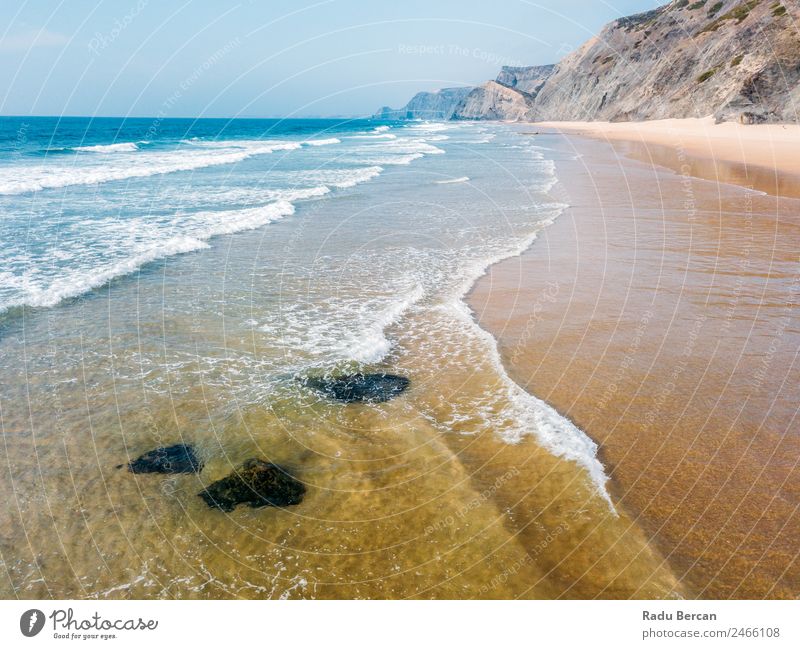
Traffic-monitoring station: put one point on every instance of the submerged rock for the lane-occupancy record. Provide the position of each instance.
(256, 483)
(179, 458)
(371, 388)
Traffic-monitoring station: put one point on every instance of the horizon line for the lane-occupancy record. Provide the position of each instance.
(155, 117)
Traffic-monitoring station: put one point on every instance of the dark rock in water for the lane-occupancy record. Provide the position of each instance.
(256, 483)
(372, 388)
(179, 458)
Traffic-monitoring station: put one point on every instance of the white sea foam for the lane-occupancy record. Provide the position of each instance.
(238, 144)
(433, 127)
(402, 151)
(120, 147)
(299, 194)
(380, 129)
(189, 232)
(32, 178)
(413, 145)
(214, 223)
(252, 147)
(550, 179)
(380, 148)
(334, 329)
(526, 414)
(78, 281)
(75, 267)
(379, 136)
(367, 343)
(362, 336)
(351, 177)
(323, 142)
(406, 159)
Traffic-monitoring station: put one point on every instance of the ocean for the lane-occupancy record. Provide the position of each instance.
(175, 281)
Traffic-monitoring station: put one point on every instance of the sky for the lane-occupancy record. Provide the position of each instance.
(272, 58)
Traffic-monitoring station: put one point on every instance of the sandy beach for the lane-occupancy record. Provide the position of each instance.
(762, 156)
(660, 314)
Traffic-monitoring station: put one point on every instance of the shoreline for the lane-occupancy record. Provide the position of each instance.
(760, 156)
(205, 351)
(544, 348)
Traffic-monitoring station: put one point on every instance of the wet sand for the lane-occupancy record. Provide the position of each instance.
(660, 314)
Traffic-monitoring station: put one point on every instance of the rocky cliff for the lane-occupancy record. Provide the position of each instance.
(493, 100)
(508, 98)
(735, 59)
(528, 79)
(437, 105)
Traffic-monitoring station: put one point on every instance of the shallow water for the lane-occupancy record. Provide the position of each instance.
(183, 306)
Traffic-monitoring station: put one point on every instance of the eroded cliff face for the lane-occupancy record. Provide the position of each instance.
(439, 105)
(529, 79)
(736, 59)
(493, 100)
(508, 98)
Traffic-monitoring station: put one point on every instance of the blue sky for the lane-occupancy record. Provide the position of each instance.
(261, 58)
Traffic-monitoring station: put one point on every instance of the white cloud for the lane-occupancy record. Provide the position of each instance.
(32, 38)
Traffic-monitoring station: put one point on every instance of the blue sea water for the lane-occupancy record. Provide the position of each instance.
(382, 217)
(83, 201)
(168, 281)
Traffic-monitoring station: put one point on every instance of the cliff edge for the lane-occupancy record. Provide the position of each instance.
(733, 59)
(736, 59)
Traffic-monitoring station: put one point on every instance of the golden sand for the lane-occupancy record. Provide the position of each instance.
(660, 313)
